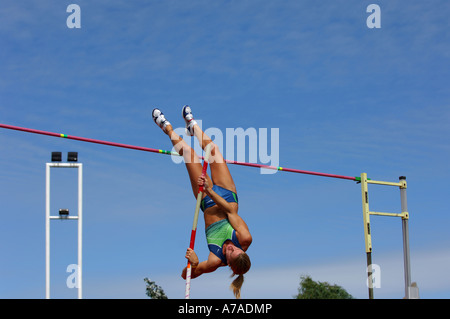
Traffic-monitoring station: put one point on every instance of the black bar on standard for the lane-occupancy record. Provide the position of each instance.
(63, 212)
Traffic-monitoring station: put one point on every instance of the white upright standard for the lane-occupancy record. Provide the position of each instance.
(79, 218)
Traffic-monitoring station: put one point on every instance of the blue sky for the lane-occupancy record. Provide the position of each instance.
(346, 99)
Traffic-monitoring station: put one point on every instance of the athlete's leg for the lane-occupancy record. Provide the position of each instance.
(220, 173)
(191, 160)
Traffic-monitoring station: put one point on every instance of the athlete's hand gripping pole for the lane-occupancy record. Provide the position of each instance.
(194, 226)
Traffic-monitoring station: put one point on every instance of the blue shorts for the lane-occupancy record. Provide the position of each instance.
(229, 196)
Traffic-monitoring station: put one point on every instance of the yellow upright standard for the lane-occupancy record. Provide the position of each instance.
(367, 230)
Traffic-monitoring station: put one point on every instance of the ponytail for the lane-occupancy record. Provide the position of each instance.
(240, 265)
(236, 286)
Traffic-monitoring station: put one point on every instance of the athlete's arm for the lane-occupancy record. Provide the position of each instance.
(241, 228)
(211, 264)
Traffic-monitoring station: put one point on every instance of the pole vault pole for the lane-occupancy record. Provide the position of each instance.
(153, 150)
(194, 225)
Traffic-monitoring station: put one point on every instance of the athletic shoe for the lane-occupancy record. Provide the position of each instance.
(159, 119)
(189, 119)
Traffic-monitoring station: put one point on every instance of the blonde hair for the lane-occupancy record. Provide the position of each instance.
(240, 265)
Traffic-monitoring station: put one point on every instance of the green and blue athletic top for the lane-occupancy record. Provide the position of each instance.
(217, 234)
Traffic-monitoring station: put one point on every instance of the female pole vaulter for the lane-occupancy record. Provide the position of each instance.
(227, 234)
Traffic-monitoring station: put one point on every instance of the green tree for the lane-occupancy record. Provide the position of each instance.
(153, 290)
(310, 289)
